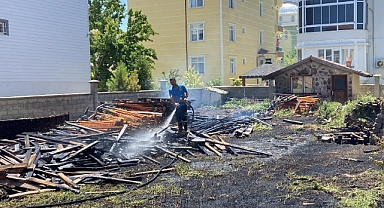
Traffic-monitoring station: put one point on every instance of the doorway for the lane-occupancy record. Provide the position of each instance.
(339, 88)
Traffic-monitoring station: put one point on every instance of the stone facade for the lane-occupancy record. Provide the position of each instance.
(321, 78)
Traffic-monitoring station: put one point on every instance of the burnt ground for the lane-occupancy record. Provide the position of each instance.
(301, 172)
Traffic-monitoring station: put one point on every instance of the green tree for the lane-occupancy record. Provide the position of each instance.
(136, 56)
(133, 81)
(214, 82)
(105, 18)
(119, 79)
(122, 80)
(110, 45)
(192, 79)
(290, 57)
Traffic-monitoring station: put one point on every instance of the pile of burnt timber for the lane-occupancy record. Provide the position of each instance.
(298, 103)
(70, 155)
(360, 125)
(232, 126)
(134, 114)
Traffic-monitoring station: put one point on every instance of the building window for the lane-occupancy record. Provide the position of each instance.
(280, 18)
(243, 0)
(232, 65)
(244, 60)
(196, 32)
(198, 63)
(4, 28)
(244, 30)
(232, 32)
(334, 54)
(299, 55)
(332, 15)
(261, 38)
(301, 84)
(292, 18)
(231, 4)
(261, 8)
(195, 3)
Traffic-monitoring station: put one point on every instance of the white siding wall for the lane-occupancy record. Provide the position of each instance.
(47, 50)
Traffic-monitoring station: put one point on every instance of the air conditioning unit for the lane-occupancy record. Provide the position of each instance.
(380, 63)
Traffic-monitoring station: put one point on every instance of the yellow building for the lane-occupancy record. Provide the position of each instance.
(220, 38)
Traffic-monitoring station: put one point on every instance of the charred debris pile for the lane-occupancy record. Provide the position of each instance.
(101, 145)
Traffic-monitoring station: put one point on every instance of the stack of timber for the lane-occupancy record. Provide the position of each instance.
(109, 117)
(232, 126)
(298, 103)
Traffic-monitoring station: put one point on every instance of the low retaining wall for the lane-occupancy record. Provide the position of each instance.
(252, 92)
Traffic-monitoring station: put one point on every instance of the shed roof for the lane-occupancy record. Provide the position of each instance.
(260, 71)
(320, 61)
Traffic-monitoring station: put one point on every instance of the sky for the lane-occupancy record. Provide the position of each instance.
(124, 25)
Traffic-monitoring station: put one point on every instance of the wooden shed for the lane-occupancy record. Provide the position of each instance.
(314, 75)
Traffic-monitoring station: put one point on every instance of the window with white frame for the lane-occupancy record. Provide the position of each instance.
(244, 30)
(232, 65)
(4, 29)
(198, 63)
(231, 4)
(196, 32)
(335, 54)
(244, 60)
(195, 3)
(232, 32)
(261, 37)
(301, 84)
(261, 8)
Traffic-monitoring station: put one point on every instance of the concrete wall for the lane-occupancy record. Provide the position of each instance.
(254, 92)
(44, 105)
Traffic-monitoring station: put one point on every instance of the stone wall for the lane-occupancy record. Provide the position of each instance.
(321, 78)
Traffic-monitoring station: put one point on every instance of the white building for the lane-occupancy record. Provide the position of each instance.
(44, 47)
(289, 19)
(337, 29)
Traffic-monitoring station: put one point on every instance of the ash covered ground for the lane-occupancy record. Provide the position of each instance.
(296, 175)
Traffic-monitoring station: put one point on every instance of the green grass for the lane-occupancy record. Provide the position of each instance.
(335, 112)
(367, 194)
(247, 104)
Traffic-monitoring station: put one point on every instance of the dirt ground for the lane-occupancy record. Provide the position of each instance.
(297, 175)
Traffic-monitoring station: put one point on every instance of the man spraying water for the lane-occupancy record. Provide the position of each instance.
(178, 94)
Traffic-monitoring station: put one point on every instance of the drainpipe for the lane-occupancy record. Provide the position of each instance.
(373, 35)
(221, 42)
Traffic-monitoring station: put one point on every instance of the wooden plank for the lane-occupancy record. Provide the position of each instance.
(11, 196)
(122, 132)
(17, 184)
(68, 148)
(68, 180)
(83, 127)
(9, 154)
(26, 141)
(293, 121)
(13, 168)
(153, 171)
(213, 149)
(173, 154)
(80, 150)
(50, 184)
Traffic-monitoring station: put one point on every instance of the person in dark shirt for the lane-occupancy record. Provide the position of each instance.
(178, 94)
